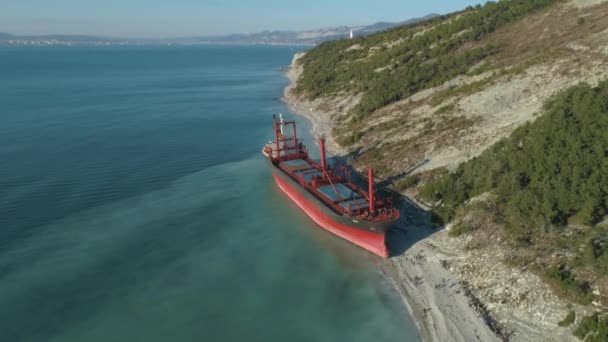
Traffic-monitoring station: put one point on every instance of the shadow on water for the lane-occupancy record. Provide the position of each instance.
(415, 224)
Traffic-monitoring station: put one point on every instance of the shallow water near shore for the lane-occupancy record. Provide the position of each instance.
(135, 206)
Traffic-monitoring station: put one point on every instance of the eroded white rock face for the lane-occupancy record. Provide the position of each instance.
(354, 47)
(586, 3)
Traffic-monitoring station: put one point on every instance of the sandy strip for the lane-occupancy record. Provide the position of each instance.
(434, 296)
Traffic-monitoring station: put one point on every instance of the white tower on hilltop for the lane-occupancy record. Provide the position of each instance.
(351, 34)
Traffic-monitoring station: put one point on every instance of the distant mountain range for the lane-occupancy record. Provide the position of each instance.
(310, 37)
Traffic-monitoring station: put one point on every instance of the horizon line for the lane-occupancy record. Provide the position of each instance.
(207, 35)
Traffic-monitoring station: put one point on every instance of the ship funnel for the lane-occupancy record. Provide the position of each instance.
(323, 161)
(372, 200)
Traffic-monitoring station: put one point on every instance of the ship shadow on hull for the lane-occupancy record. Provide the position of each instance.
(415, 223)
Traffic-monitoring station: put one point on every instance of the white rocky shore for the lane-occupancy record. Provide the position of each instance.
(454, 294)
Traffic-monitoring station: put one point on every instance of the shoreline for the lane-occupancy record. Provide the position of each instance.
(437, 300)
(320, 124)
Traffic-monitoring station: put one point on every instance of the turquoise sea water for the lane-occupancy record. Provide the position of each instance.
(135, 206)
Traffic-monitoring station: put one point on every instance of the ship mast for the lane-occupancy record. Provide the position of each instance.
(323, 161)
(370, 180)
(282, 123)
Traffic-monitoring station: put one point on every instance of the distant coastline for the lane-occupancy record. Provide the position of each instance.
(52, 43)
(275, 37)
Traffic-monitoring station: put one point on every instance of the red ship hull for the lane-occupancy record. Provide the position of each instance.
(327, 195)
(372, 241)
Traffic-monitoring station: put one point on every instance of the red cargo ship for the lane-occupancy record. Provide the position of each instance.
(327, 195)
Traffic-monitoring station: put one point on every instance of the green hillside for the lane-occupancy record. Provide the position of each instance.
(392, 65)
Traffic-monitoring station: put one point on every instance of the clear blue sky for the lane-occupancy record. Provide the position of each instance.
(156, 18)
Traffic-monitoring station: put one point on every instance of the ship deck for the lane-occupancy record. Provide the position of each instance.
(340, 196)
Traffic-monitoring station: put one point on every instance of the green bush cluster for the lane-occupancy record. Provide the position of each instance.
(407, 183)
(549, 173)
(351, 139)
(392, 65)
(568, 320)
(593, 328)
(565, 283)
(447, 108)
(594, 251)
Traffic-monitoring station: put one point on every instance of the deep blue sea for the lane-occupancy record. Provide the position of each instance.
(135, 206)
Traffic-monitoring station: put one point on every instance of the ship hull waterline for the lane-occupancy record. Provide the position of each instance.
(374, 242)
